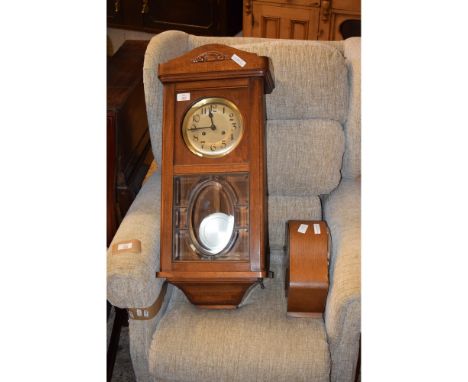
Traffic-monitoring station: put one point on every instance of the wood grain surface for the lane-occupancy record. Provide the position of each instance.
(307, 274)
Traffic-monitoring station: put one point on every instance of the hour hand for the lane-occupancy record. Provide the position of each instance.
(210, 114)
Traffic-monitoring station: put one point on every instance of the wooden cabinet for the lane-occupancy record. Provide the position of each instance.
(202, 17)
(300, 19)
(339, 12)
(280, 21)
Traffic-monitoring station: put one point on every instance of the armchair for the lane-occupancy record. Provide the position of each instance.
(313, 162)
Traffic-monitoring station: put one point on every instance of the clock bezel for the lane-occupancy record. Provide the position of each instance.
(200, 103)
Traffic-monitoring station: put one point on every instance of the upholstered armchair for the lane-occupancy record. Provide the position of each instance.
(313, 166)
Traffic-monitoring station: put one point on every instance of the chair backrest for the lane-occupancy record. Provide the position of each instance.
(307, 117)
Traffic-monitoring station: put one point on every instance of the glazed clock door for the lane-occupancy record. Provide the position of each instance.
(211, 217)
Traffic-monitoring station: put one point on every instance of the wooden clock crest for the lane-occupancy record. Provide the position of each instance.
(214, 232)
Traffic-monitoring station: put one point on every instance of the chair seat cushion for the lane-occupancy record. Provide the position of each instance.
(256, 342)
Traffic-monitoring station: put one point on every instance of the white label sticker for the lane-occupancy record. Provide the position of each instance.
(317, 229)
(183, 97)
(139, 312)
(302, 228)
(145, 313)
(239, 61)
(123, 246)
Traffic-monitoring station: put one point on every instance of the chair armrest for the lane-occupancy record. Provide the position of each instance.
(342, 211)
(352, 128)
(131, 278)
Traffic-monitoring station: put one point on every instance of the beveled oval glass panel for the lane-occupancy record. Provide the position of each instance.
(212, 218)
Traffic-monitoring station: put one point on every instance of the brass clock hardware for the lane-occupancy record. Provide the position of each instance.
(213, 174)
(210, 56)
(116, 6)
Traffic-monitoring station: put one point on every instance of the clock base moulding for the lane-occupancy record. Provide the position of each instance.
(218, 293)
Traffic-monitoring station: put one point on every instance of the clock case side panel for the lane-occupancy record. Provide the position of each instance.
(167, 175)
(258, 180)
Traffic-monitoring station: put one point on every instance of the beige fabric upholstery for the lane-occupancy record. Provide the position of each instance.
(195, 41)
(317, 88)
(352, 156)
(352, 48)
(312, 148)
(256, 343)
(168, 45)
(131, 281)
(283, 208)
(141, 335)
(342, 211)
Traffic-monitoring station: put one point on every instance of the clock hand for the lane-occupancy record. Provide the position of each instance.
(201, 128)
(210, 114)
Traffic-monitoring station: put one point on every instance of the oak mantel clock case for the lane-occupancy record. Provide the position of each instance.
(214, 232)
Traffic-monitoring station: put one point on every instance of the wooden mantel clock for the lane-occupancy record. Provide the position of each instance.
(214, 233)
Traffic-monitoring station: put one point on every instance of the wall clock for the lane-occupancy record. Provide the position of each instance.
(213, 195)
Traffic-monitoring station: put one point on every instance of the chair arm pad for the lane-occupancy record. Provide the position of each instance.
(131, 278)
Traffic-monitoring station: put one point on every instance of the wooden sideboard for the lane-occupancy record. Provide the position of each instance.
(299, 19)
(201, 17)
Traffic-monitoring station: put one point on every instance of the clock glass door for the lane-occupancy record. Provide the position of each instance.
(211, 217)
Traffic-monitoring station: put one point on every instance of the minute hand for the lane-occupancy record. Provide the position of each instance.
(201, 128)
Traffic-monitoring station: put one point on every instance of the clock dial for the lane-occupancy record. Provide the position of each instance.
(212, 127)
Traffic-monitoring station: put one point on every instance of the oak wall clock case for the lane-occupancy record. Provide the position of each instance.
(213, 206)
